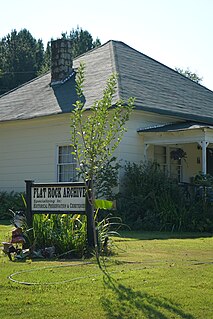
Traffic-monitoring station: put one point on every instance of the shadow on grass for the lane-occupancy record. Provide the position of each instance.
(149, 235)
(6, 222)
(121, 302)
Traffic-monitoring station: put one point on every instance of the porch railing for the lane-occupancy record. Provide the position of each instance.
(197, 191)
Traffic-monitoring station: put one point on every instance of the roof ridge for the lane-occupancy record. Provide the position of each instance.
(91, 50)
(115, 66)
(156, 88)
(161, 63)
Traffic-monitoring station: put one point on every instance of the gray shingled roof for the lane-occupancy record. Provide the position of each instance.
(174, 127)
(156, 87)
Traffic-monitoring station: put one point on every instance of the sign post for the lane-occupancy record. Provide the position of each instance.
(29, 215)
(60, 198)
(91, 232)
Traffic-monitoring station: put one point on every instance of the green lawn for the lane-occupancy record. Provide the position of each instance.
(152, 275)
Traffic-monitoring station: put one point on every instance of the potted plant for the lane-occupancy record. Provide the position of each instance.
(178, 154)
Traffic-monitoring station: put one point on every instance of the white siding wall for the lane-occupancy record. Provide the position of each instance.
(192, 164)
(131, 148)
(132, 145)
(28, 150)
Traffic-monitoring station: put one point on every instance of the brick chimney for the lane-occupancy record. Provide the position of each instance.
(61, 60)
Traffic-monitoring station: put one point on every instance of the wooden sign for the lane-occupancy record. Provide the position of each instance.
(56, 197)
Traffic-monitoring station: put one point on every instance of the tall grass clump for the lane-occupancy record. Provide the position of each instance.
(67, 233)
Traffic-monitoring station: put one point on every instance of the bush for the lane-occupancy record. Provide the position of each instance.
(152, 201)
(9, 201)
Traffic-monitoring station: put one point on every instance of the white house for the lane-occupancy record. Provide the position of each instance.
(171, 113)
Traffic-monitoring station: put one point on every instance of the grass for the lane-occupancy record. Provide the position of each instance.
(5, 230)
(152, 275)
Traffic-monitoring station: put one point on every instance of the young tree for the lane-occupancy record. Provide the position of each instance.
(95, 134)
(191, 75)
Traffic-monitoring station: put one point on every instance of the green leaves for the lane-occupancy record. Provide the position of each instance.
(191, 75)
(67, 233)
(79, 85)
(96, 133)
(82, 41)
(103, 204)
(21, 58)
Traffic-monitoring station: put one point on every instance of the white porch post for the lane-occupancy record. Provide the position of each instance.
(204, 146)
(146, 146)
(167, 161)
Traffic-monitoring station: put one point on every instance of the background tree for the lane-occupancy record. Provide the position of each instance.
(82, 41)
(191, 75)
(21, 57)
(46, 65)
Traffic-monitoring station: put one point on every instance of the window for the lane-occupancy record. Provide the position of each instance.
(66, 167)
(160, 157)
(171, 167)
(175, 167)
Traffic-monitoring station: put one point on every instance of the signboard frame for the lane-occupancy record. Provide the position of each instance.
(88, 211)
(58, 194)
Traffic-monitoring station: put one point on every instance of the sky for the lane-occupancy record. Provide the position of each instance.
(177, 33)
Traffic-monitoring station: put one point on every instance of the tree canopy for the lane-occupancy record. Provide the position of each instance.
(189, 74)
(21, 57)
(82, 41)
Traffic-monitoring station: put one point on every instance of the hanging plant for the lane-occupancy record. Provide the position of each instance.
(178, 154)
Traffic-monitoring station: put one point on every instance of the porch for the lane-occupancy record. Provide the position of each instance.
(183, 150)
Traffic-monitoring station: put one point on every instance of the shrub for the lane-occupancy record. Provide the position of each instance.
(12, 200)
(152, 201)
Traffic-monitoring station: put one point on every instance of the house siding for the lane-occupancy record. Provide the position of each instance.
(132, 145)
(28, 150)
(192, 164)
(29, 147)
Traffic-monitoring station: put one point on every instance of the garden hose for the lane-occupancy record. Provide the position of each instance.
(10, 277)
